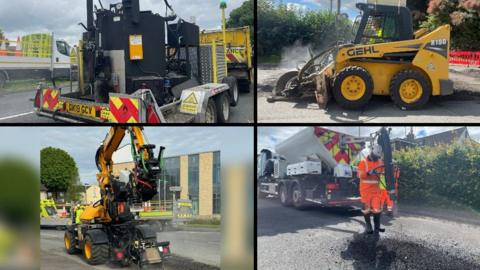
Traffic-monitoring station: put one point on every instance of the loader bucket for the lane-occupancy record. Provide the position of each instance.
(311, 80)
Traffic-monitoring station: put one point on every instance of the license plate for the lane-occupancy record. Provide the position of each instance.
(80, 109)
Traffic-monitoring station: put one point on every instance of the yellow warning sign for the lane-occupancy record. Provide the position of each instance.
(192, 99)
(190, 104)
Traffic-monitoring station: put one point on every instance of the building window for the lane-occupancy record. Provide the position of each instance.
(193, 179)
(217, 188)
(171, 177)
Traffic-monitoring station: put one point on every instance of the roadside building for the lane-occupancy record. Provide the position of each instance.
(197, 176)
(459, 135)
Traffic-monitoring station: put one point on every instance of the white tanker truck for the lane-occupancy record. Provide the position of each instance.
(317, 166)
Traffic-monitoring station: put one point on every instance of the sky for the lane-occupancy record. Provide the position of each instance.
(234, 143)
(268, 137)
(21, 17)
(347, 6)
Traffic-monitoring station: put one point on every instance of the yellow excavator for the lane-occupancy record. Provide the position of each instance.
(107, 230)
(385, 58)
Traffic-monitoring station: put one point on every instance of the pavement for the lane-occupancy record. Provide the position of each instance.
(462, 107)
(18, 108)
(332, 238)
(191, 250)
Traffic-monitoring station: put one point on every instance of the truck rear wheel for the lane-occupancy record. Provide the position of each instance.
(285, 196)
(94, 254)
(211, 112)
(233, 89)
(353, 87)
(298, 197)
(410, 89)
(70, 243)
(223, 108)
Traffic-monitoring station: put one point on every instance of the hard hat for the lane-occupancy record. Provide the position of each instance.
(376, 150)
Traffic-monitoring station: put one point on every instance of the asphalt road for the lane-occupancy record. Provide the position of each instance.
(322, 238)
(205, 244)
(18, 108)
(462, 107)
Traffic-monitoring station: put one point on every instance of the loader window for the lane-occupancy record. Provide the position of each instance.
(380, 28)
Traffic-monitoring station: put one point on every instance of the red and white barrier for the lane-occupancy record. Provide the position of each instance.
(465, 58)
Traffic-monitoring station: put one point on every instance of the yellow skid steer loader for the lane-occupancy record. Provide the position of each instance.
(385, 58)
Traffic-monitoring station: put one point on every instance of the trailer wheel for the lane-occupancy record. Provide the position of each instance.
(298, 197)
(410, 89)
(94, 254)
(3, 79)
(211, 112)
(223, 108)
(285, 196)
(70, 243)
(233, 89)
(353, 87)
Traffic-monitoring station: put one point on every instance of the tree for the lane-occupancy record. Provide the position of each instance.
(58, 170)
(462, 15)
(281, 26)
(243, 16)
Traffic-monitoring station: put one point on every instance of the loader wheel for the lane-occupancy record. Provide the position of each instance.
(410, 89)
(94, 254)
(223, 108)
(353, 87)
(233, 89)
(288, 80)
(298, 197)
(69, 241)
(285, 196)
(211, 112)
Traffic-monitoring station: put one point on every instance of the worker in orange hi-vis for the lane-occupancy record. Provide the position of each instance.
(370, 191)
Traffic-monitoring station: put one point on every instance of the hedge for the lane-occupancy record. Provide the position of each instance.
(448, 172)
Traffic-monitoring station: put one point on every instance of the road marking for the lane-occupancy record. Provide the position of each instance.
(15, 116)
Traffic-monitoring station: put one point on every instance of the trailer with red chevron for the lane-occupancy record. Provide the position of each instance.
(316, 166)
(141, 67)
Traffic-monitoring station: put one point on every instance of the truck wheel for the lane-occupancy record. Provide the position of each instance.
(3, 80)
(298, 197)
(353, 87)
(211, 112)
(244, 85)
(94, 254)
(233, 89)
(285, 197)
(223, 108)
(70, 243)
(410, 89)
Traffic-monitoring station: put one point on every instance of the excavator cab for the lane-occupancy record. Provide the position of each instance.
(381, 23)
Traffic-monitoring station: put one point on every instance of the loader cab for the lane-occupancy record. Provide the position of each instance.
(381, 23)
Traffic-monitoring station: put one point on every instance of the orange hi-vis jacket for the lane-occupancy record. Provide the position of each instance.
(370, 191)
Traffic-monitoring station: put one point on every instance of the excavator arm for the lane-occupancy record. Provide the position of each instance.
(139, 185)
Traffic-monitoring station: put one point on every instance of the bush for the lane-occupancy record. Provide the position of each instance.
(446, 171)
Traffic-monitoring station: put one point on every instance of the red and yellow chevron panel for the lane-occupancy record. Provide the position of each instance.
(236, 55)
(331, 140)
(50, 99)
(124, 110)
